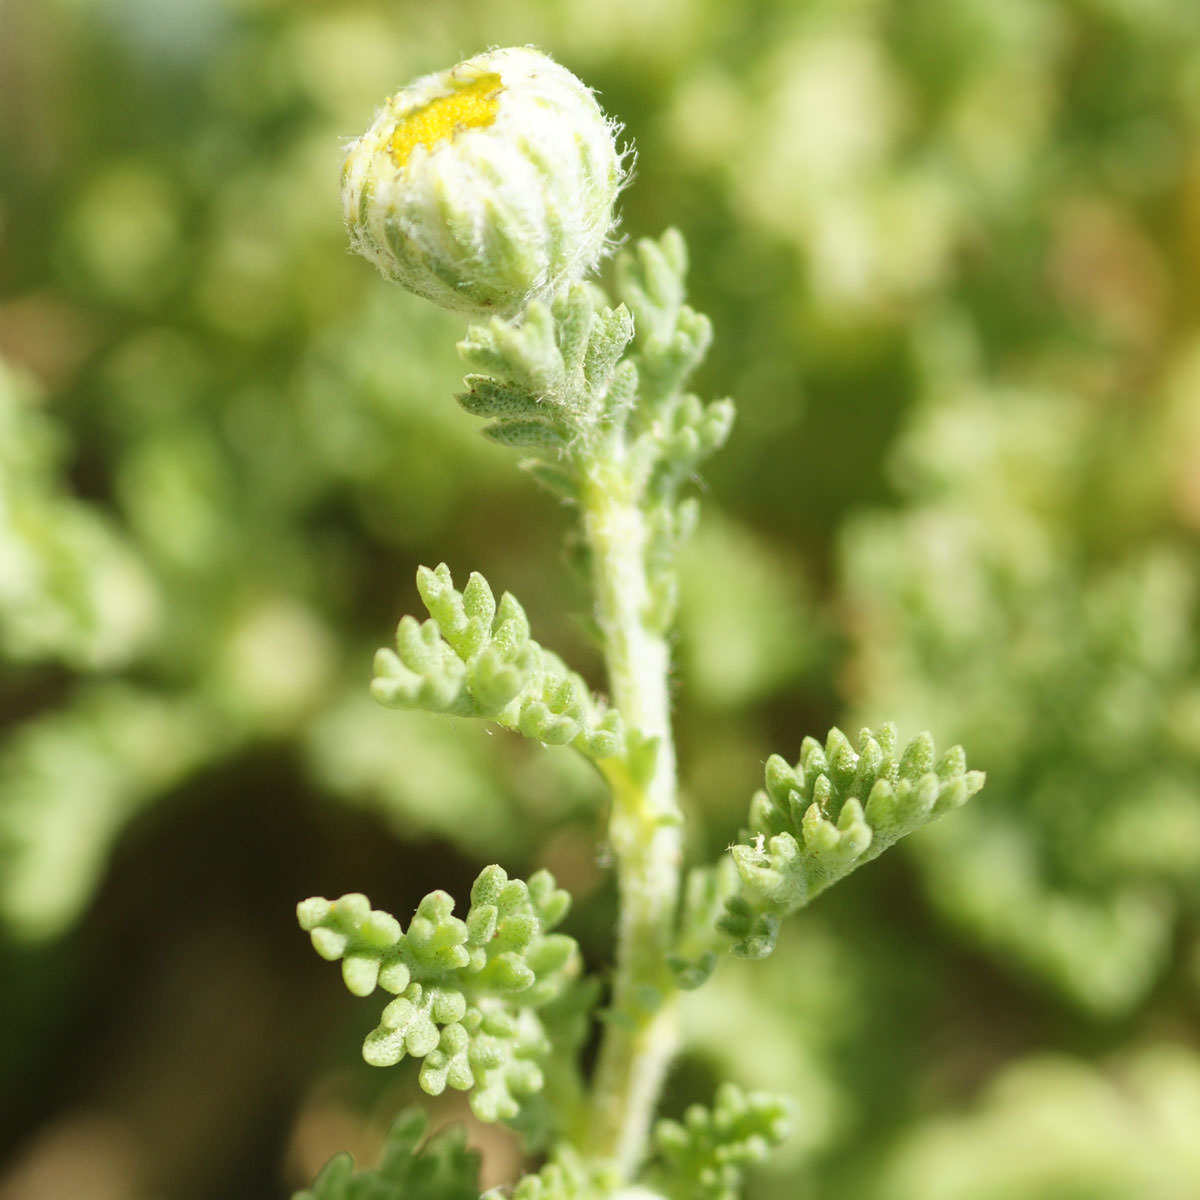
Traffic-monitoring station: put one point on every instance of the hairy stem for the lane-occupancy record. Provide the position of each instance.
(644, 829)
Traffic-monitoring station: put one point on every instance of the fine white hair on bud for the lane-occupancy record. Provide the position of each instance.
(485, 186)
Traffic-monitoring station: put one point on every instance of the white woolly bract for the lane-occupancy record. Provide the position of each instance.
(488, 218)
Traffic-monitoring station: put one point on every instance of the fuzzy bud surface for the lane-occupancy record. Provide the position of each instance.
(487, 185)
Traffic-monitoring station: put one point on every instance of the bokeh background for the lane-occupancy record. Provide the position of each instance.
(950, 249)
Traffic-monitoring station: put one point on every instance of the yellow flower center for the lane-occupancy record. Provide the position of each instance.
(471, 106)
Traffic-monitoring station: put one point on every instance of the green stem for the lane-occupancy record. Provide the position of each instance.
(644, 829)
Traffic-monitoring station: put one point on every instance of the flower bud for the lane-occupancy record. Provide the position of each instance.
(487, 185)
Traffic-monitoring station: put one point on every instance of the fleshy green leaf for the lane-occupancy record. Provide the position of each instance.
(671, 338)
(522, 351)
(670, 433)
(703, 1156)
(550, 376)
(469, 992)
(475, 657)
(699, 941)
(834, 810)
(565, 1177)
(441, 1169)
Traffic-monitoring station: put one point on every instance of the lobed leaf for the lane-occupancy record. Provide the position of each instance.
(442, 1168)
(468, 992)
(565, 1177)
(475, 657)
(835, 809)
(706, 893)
(703, 1156)
(522, 351)
(672, 339)
(550, 376)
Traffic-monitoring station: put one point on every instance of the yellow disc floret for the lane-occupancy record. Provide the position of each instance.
(471, 106)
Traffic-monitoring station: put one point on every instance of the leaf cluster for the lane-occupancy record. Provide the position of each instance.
(596, 393)
(699, 941)
(671, 431)
(1019, 600)
(834, 810)
(468, 991)
(703, 1156)
(440, 1169)
(578, 379)
(565, 1177)
(475, 657)
(552, 380)
(72, 588)
(675, 429)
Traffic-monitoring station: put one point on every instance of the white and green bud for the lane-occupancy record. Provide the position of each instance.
(487, 185)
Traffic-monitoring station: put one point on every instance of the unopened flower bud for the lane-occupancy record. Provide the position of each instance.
(487, 185)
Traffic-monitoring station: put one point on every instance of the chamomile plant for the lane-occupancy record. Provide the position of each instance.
(490, 189)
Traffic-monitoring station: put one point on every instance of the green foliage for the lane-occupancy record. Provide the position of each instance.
(833, 811)
(703, 1157)
(567, 1177)
(995, 608)
(71, 586)
(440, 1169)
(550, 379)
(950, 236)
(557, 381)
(71, 778)
(468, 991)
(595, 394)
(475, 657)
(671, 431)
(706, 893)
(1056, 1126)
(676, 432)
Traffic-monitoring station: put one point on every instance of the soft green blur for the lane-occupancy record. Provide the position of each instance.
(949, 250)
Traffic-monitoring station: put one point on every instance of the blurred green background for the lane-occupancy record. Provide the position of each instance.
(950, 249)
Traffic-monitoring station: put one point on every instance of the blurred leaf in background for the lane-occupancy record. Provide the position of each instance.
(949, 250)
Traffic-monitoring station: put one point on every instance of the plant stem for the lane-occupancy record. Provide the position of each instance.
(644, 828)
